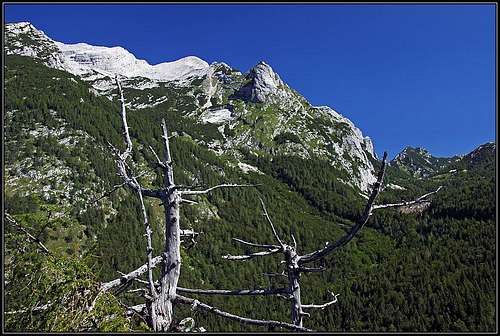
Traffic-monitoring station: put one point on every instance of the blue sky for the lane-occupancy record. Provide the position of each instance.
(417, 75)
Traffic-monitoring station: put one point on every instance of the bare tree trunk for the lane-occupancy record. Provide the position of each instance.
(293, 271)
(171, 269)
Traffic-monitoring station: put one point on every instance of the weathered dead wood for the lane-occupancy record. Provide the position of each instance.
(131, 275)
(252, 255)
(237, 292)
(170, 272)
(311, 269)
(255, 244)
(189, 233)
(294, 262)
(158, 161)
(324, 305)
(271, 223)
(164, 293)
(149, 246)
(206, 191)
(265, 323)
(420, 199)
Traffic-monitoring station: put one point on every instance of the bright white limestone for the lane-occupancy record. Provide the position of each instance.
(395, 186)
(112, 61)
(83, 59)
(248, 168)
(216, 116)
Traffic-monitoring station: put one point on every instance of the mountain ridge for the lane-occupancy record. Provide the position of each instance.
(270, 109)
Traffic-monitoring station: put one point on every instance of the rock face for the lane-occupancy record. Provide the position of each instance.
(118, 61)
(257, 111)
(84, 60)
(263, 83)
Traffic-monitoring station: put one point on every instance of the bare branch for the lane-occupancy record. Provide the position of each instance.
(137, 290)
(355, 229)
(200, 192)
(186, 201)
(30, 236)
(126, 134)
(132, 275)
(294, 242)
(265, 323)
(134, 184)
(255, 244)
(311, 270)
(168, 156)
(233, 292)
(324, 305)
(252, 255)
(248, 292)
(416, 201)
(158, 161)
(271, 223)
(149, 246)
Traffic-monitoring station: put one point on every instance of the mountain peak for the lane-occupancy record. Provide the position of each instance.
(419, 162)
(263, 83)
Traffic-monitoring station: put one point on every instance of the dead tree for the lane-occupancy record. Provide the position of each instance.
(296, 264)
(163, 294)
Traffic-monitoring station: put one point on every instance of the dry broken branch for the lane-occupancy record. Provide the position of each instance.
(265, 323)
(149, 246)
(247, 292)
(271, 223)
(158, 161)
(311, 270)
(255, 244)
(132, 275)
(420, 199)
(324, 305)
(201, 192)
(251, 255)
